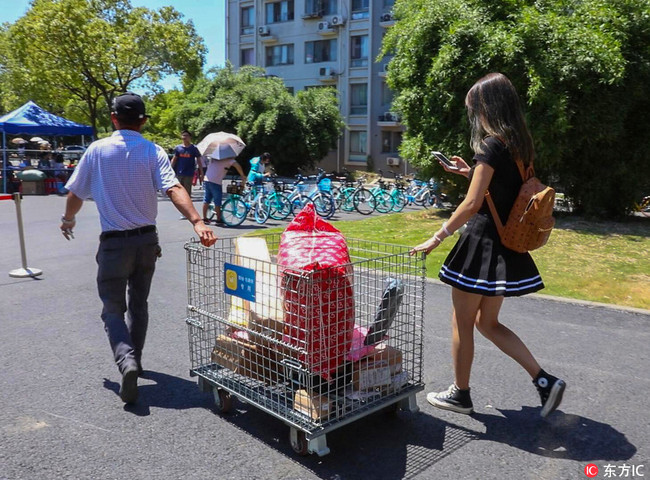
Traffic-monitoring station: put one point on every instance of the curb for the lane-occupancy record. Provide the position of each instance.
(572, 301)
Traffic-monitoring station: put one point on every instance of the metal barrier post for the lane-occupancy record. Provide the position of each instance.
(25, 271)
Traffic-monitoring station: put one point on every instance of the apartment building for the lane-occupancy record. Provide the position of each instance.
(316, 43)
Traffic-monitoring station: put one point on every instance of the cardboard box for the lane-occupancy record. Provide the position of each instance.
(31, 187)
(253, 253)
(318, 407)
(244, 358)
(377, 369)
(265, 329)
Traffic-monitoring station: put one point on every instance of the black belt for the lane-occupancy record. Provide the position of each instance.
(127, 233)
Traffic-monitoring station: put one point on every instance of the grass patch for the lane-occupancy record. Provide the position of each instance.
(598, 261)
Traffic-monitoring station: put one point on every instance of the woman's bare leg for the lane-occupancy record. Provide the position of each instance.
(487, 322)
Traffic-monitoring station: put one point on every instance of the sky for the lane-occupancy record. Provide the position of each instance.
(208, 17)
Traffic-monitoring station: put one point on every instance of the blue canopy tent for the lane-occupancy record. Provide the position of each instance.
(33, 120)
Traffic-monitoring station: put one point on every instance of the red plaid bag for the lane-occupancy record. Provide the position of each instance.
(317, 290)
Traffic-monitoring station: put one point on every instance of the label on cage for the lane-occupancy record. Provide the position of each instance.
(239, 281)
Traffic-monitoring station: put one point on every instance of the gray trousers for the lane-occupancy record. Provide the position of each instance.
(125, 269)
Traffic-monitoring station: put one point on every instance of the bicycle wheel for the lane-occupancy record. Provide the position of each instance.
(279, 206)
(363, 201)
(324, 204)
(233, 211)
(383, 201)
(210, 213)
(261, 210)
(424, 199)
(298, 203)
(399, 201)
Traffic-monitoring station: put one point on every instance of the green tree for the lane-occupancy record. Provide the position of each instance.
(582, 68)
(297, 130)
(91, 50)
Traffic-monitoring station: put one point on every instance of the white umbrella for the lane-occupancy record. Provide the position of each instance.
(19, 141)
(221, 145)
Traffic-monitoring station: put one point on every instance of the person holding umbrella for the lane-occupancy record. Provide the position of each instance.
(219, 151)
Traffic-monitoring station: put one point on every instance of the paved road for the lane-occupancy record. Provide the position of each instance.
(60, 416)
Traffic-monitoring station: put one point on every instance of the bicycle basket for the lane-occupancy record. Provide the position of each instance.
(325, 185)
(234, 189)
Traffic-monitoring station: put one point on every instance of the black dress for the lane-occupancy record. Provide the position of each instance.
(479, 263)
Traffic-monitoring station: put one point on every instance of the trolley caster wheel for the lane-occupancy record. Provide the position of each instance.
(222, 400)
(299, 442)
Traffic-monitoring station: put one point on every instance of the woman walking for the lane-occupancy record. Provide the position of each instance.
(479, 268)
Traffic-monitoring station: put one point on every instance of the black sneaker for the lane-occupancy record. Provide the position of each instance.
(453, 399)
(129, 387)
(206, 221)
(550, 390)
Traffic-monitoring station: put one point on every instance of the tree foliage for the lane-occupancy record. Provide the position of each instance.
(298, 130)
(581, 67)
(91, 50)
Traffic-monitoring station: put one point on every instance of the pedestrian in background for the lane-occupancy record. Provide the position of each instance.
(185, 162)
(258, 167)
(122, 174)
(215, 172)
(479, 268)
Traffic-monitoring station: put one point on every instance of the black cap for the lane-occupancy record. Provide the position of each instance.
(129, 105)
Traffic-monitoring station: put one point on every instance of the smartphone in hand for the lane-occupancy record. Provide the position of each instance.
(443, 159)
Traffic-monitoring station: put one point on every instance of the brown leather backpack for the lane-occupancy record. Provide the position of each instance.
(531, 218)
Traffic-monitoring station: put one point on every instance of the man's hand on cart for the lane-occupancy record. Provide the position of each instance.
(205, 233)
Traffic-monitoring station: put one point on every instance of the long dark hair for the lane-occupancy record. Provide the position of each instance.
(494, 109)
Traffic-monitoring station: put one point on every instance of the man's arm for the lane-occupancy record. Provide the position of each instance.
(240, 171)
(173, 162)
(72, 206)
(183, 203)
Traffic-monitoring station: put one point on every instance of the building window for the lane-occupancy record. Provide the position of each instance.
(386, 96)
(359, 99)
(390, 141)
(388, 4)
(247, 21)
(279, 11)
(360, 9)
(279, 55)
(247, 56)
(359, 51)
(358, 140)
(320, 51)
(320, 7)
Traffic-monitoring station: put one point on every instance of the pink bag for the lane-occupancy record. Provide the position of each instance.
(317, 290)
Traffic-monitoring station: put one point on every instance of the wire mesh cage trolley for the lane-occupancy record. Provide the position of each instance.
(317, 349)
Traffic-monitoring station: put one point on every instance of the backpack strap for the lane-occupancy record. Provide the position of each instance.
(525, 173)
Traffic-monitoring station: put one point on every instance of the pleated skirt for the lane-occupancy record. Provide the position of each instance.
(480, 264)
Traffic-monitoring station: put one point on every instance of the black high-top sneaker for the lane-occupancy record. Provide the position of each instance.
(453, 399)
(550, 390)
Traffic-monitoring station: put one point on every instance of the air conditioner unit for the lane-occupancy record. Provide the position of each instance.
(384, 68)
(326, 71)
(388, 117)
(392, 161)
(337, 21)
(264, 31)
(324, 27)
(387, 17)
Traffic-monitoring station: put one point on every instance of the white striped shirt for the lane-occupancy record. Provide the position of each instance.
(122, 173)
